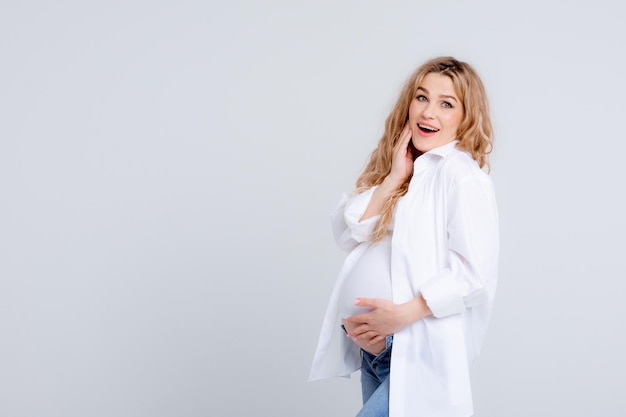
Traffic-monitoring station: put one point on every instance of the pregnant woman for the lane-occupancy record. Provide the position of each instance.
(413, 299)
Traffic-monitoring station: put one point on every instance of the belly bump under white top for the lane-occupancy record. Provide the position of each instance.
(370, 277)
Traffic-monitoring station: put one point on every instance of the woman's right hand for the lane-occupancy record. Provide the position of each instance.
(403, 157)
(401, 169)
(374, 348)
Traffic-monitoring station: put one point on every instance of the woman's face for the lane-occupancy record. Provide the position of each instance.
(435, 113)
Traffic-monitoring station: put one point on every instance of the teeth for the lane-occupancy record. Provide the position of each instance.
(432, 129)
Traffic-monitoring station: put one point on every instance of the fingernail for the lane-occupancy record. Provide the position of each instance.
(357, 301)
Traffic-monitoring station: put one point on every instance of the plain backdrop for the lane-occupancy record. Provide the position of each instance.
(167, 169)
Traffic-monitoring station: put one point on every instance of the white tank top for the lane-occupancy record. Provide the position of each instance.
(370, 277)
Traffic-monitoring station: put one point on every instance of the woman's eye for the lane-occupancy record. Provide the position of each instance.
(446, 104)
(421, 98)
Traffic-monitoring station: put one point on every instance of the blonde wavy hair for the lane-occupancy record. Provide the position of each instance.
(474, 132)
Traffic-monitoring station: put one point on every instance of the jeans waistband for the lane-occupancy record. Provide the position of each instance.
(388, 341)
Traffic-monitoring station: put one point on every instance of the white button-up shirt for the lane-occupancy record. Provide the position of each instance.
(444, 246)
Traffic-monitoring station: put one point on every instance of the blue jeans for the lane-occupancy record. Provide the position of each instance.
(375, 382)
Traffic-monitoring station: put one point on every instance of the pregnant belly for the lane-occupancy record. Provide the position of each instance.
(370, 277)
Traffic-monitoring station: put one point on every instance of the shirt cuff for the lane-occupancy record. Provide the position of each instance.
(361, 230)
(444, 295)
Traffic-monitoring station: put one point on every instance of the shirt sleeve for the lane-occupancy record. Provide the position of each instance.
(473, 241)
(348, 231)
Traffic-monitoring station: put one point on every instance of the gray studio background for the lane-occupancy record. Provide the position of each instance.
(167, 170)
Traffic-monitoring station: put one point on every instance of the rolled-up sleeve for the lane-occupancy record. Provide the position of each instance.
(348, 231)
(473, 242)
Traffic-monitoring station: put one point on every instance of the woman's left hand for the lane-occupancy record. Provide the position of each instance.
(385, 318)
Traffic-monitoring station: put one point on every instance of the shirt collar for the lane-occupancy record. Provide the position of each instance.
(444, 150)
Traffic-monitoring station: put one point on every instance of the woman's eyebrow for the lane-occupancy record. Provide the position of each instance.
(449, 97)
(440, 95)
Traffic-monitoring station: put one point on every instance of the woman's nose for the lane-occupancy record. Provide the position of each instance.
(428, 111)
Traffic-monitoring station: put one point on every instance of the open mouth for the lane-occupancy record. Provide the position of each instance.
(427, 129)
